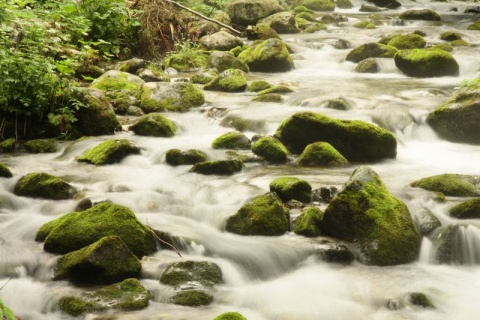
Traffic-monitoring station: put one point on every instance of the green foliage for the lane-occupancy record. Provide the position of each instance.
(206, 7)
(186, 55)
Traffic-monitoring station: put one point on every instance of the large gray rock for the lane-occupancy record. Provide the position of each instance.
(380, 225)
(222, 41)
(248, 12)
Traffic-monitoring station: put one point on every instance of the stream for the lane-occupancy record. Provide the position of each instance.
(268, 278)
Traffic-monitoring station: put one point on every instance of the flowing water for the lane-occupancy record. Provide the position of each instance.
(269, 278)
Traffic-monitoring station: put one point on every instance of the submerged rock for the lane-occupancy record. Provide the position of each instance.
(217, 167)
(154, 125)
(43, 185)
(109, 152)
(288, 188)
(335, 253)
(269, 55)
(456, 185)
(420, 299)
(469, 209)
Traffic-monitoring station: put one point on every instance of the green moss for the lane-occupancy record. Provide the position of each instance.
(218, 167)
(365, 24)
(343, 4)
(5, 312)
(259, 85)
(203, 273)
(230, 316)
(8, 145)
(221, 61)
(270, 55)
(109, 152)
(316, 27)
(299, 9)
(40, 146)
(469, 209)
(231, 80)
(43, 185)
(321, 154)
(370, 50)
(276, 89)
(288, 188)
(407, 41)
(264, 215)
(76, 230)
(339, 103)
(443, 46)
(5, 171)
(176, 157)
(426, 63)
(307, 16)
(201, 78)
(422, 14)
(117, 81)
(450, 36)
(192, 298)
(308, 224)
(260, 32)
(232, 140)
(456, 185)
(474, 26)
(269, 97)
(316, 5)
(154, 125)
(271, 149)
(177, 97)
(459, 43)
(302, 23)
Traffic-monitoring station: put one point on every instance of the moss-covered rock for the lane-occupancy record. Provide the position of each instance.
(6, 313)
(321, 154)
(425, 63)
(390, 4)
(154, 125)
(469, 209)
(288, 188)
(217, 167)
(269, 55)
(316, 5)
(380, 225)
(450, 36)
(355, 140)
(474, 26)
(232, 140)
(248, 12)
(222, 61)
(365, 24)
(221, 40)
(309, 223)
(8, 145)
(456, 185)
(343, 4)
(369, 65)
(370, 50)
(192, 298)
(188, 58)
(132, 65)
(420, 299)
(109, 152)
(106, 261)
(41, 146)
(261, 32)
(407, 41)
(269, 98)
(176, 96)
(76, 230)
(5, 171)
(176, 157)
(315, 27)
(270, 149)
(259, 85)
(339, 104)
(201, 78)
(231, 80)
(43, 185)
(230, 316)
(276, 89)
(192, 274)
(265, 215)
(282, 22)
(114, 80)
(127, 295)
(420, 14)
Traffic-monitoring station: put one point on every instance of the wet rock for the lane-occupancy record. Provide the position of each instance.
(261, 32)
(269, 97)
(365, 24)
(222, 61)
(424, 63)
(469, 209)
(321, 154)
(76, 230)
(371, 50)
(192, 298)
(106, 261)
(230, 316)
(265, 215)
(270, 149)
(5, 171)
(472, 9)
(114, 80)
(154, 125)
(368, 8)
(221, 41)
(176, 96)
(248, 12)
(41, 146)
(407, 41)
(450, 36)
(369, 65)
(338, 104)
(275, 89)
(334, 18)
(308, 224)
(267, 56)
(316, 5)
(456, 244)
(43, 185)
(231, 80)
(232, 140)
(149, 75)
(176, 157)
(456, 185)
(335, 253)
(474, 26)
(421, 14)
(390, 4)
(427, 222)
(281, 22)
(324, 194)
(217, 167)
(380, 225)
(132, 65)
(355, 140)
(192, 274)
(288, 188)
(420, 299)
(109, 152)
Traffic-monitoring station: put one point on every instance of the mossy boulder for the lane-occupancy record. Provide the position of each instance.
(8, 145)
(231, 80)
(365, 24)
(420, 14)
(230, 316)
(269, 98)
(132, 65)
(355, 140)
(222, 61)
(407, 41)
(127, 295)
(371, 50)
(276, 89)
(456, 185)
(41, 146)
(269, 55)
(390, 4)
(261, 32)
(343, 4)
(265, 215)
(109, 152)
(420, 299)
(339, 103)
(177, 157)
(166, 96)
(316, 5)
(76, 230)
(380, 225)
(192, 298)
(369, 65)
(5, 171)
(259, 85)
(423, 63)
(192, 274)
(270, 149)
(114, 80)
(474, 26)
(315, 27)
(469, 209)
(282, 22)
(106, 261)
(450, 36)
(43, 185)
(457, 119)
(6, 313)
(232, 140)
(154, 125)
(321, 154)
(309, 223)
(248, 12)
(288, 188)
(217, 167)
(221, 40)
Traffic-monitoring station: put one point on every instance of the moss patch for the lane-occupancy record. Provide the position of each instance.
(469, 209)
(109, 152)
(456, 185)
(321, 154)
(230, 316)
(231, 80)
(408, 41)
(370, 50)
(232, 140)
(41, 146)
(288, 188)
(218, 167)
(192, 298)
(308, 224)
(154, 125)
(199, 273)
(270, 55)
(271, 149)
(5, 171)
(176, 157)
(43, 185)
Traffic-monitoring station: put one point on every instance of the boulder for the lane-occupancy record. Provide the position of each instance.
(231, 80)
(380, 225)
(457, 119)
(355, 140)
(469, 209)
(218, 167)
(427, 222)
(8, 145)
(420, 14)
(132, 65)
(221, 40)
(339, 103)
(474, 26)
(452, 244)
(369, 65)
(316, 5)
(334, 18)
(115, 81)
(370, 50)
(222, 61)
(248, 12)
(232, 140)
(281, 22)
(5, 171)
(106, 261)
(390, 4)
(455, 185)
(41, 146)
(321, 154)
(192, 298)
(270, 149)
(424, 63)
(450, 36)
(230, 316)
(365, 24)
(407, 41)
(176, 157)
(288, 188)
(154, 125)
(265, 215)
(127, 295)
(309, 223)
(261, 32)
(335, 253)
(109, 152)
(188, 274)
(419, 299)
(343, 4)
(269, 55)
(166, 96)
(43, 185)
(275, 89)
(269, 98)
(76, 230)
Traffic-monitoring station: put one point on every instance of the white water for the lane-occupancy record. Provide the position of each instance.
(267, 278)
